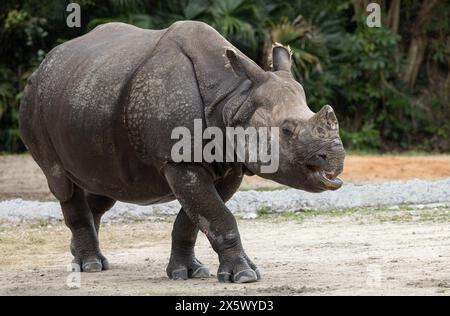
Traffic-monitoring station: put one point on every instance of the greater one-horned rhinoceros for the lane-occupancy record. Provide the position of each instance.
(98, 114)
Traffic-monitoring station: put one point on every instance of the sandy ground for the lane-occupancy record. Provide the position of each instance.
(20, 177)
(366, 252)
(384, 251)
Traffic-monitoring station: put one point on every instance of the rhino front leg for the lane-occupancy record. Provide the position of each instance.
(183, 264)
(194, 188)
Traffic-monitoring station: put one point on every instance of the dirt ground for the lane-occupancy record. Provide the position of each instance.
(401, 251)
(20, 177)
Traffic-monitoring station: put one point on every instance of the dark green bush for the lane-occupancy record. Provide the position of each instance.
(339, 60)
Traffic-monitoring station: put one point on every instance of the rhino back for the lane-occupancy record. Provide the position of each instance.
(110, 99)
(81, 81)
(79, 88)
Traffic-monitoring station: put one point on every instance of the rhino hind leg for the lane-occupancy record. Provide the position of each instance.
(35, 138)
(98, 205)
(84, 246)
(183, 264)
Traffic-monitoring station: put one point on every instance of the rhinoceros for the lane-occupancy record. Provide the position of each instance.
(98, 114)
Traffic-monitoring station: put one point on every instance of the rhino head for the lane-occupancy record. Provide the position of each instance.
(311, 154)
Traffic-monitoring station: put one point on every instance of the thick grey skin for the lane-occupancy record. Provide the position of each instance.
(97, 117)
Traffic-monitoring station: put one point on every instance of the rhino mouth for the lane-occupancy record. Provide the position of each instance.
(328, 179)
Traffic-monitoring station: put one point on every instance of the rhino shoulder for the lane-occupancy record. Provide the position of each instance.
(114, 26)
(193, 29)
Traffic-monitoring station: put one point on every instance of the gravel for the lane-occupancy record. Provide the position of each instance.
(247, 203)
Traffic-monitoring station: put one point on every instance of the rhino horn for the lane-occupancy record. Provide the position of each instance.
(327, 118)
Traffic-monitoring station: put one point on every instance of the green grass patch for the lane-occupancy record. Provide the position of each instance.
(402, 213)
(264, 188)
(44, 223)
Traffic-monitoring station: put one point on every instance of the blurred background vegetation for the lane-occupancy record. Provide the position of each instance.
(390, 86)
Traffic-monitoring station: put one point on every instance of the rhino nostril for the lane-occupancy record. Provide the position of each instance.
(322, 156)
(317, 162)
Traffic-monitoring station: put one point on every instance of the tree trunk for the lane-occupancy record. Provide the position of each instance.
(393, 16)
(418, 44)
(447, 82)
(416, 53)
(361, 5)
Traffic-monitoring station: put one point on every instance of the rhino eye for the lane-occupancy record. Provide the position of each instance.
(288, 128)
(286, 131)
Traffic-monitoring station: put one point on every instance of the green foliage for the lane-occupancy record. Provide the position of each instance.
(9, 100)
(338, 59)
(373, 108)
(367, 137)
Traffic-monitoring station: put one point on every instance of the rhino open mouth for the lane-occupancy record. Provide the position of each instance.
(329, 179)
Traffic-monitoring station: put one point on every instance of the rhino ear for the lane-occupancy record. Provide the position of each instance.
(281, 57)
(244, 66)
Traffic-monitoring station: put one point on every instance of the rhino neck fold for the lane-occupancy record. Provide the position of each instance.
(223, 110)
(219, 87)
(223, 92)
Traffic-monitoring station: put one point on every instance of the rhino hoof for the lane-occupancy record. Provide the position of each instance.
(200, 273)
(245, 276)
(90, 265)
(184, 274)
(190, 269)
(179, 274)
(242, 271)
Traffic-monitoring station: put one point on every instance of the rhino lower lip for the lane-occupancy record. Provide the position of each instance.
(328, 178)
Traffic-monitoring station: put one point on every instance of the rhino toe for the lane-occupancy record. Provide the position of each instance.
(245, 276)
(200, 273)
(94, 263)
(241, 270)
(188, 269)
(179, 274)
(90, 265)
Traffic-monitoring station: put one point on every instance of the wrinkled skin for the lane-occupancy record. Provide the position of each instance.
(97, 117)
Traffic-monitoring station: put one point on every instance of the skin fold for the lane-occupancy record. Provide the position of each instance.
(97, 117)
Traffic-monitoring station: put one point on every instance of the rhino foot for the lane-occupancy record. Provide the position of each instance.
(96, 263)
(93, 264)
(187, 269)
(238, 270)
